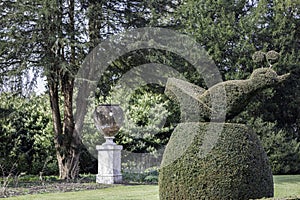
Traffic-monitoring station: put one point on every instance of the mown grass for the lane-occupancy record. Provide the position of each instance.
(285, 186)
(122, 192)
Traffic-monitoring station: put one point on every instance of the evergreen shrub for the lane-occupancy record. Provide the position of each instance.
(235, 168)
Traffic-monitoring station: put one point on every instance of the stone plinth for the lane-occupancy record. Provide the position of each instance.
(109, 162)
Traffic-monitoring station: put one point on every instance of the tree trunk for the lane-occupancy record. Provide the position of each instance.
(68, 152)
(67, 140)
(68, 149)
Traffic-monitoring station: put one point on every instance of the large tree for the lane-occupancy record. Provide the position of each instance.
(232, 31)
(42, 35)
(53, 37)
(219, 26)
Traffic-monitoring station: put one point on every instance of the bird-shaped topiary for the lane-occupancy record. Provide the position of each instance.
(207, 158)
(196, 102)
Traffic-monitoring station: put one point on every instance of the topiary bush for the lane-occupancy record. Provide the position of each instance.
(235, 168)
(230, 96)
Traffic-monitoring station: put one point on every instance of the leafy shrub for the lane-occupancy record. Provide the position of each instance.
(282, 148)
(235, 168)
(150, 175)
(148, 121)
(26, 134)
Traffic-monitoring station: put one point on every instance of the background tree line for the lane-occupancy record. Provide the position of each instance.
(53, 38)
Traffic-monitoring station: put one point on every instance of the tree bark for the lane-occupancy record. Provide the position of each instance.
(66, 139)
(68, 151)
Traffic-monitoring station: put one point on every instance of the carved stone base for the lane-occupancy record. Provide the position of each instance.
(109, 179)
(109, 163)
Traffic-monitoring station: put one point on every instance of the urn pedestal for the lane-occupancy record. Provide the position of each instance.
(109, 163)
(108, 120)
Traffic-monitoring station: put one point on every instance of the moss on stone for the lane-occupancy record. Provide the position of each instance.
(235, 168)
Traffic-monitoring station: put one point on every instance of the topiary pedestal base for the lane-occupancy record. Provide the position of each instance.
(235, 168)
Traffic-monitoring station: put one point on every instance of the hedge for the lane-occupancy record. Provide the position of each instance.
(235, 168)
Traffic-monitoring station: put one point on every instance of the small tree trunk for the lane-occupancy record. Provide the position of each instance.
(67, 140)
(68, 163)
(68, 151)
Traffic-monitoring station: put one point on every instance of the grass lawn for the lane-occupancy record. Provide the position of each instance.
(285, 186)
(132, 192)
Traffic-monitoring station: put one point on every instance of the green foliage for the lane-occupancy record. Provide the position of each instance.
(186, 95)
(276, 123)
(258, 56)
(270, 57)
(145, 130)
(230, 96)
(282, 149)
(219, 26)
(233, 31)
(148, 123)
(235, 168)
(147, 126)
(149, 175)
(38, 35)
(53, 37)
(26, 136)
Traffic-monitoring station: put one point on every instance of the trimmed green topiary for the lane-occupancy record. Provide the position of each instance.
(235, 168)
(282, 198)
(204, 161)
(187, 96)
(229, 96)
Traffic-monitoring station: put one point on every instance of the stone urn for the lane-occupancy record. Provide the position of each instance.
(108, 119)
